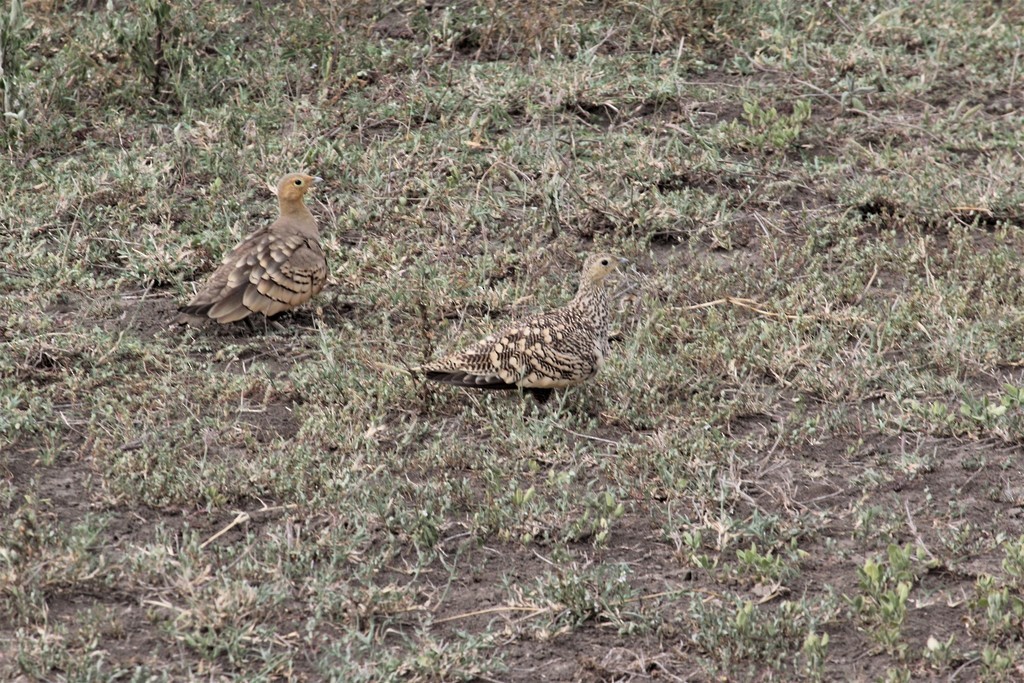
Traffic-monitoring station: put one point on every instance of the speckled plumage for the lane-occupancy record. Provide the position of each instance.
(558, 349)
(275, 269)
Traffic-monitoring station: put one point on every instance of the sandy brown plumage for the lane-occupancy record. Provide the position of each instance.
(558, 349)
(275, 269)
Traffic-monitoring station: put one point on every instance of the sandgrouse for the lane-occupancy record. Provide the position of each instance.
(549, 351)
(275, 269)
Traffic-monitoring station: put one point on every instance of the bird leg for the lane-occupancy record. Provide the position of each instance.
(541, 395)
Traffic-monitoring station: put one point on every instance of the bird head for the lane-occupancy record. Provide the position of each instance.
(599, 266)
(294, 186)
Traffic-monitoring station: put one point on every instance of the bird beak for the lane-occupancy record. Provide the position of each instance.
(623, 261)
(317, 180)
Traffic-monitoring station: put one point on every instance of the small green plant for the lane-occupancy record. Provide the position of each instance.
(767, 129)
(763, 566)
(982, 410)
(815, 651)
(580, 594)
(939, 653)
(897, 675)
(22, 412)
(601, 510)
(998, 664)
(882, 604)
(1013, 562)
(999, 415)
(512, 511)
(999, 609)
(739, 633)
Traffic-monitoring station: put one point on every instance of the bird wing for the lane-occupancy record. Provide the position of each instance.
(267, 273)
(289, 271)
(547, 351)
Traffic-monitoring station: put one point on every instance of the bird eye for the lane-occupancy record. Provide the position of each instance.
(604, 262)
(298, 182)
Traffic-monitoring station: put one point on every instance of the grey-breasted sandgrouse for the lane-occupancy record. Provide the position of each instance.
(558, 349)
(275, 269)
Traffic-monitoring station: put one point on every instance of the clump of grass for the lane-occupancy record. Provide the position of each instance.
(739, 635)
(13, 32)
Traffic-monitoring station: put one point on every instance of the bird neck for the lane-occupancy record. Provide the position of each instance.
(589, 289)
(295, 209)
(593, 297)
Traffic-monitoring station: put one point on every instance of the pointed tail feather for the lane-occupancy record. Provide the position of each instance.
(465, 379)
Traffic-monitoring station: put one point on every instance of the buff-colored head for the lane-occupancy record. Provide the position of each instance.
(294, 186)
(599, 266)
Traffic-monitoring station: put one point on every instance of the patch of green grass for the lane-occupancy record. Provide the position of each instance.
(739, 637)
